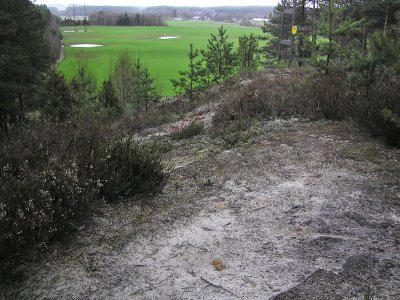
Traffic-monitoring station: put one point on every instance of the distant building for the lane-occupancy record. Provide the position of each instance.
(177, 19)
(259, 21)
(197, 18)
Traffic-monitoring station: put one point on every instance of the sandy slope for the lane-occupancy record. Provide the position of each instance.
(304, 211)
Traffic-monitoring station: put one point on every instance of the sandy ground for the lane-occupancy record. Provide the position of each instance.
(305, 210)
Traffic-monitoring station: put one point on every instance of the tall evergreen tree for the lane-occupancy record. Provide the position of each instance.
(24, 57)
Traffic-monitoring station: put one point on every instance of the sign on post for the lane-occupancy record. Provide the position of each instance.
(294, 29)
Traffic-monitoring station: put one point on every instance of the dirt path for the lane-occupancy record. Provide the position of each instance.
(304, 211)
(61, 56)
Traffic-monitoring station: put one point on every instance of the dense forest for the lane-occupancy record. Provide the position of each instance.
(66, 146)
(125, 19)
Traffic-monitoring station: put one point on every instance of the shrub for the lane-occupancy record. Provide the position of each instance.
(41, 193)
(263, 97)
(235, 138)
(52, 175)
(391, 126)
(374, 103)
(323, 97)
(193, 129)
(161, 147)
(127, 169)
(38, 204)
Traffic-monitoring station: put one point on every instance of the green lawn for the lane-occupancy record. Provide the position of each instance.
(163, 57)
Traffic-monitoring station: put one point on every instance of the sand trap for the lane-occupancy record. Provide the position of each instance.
(168, 37)
(86, 45)
(77, 31)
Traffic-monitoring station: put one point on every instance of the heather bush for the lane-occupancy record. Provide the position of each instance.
(372, 103)
(166, 111)
(193, 129)
(41, 193)
(38, 204)
(126, 168)
(263, 97)
(235, 138)
(378, 111)
(322, 97)
(52, 175)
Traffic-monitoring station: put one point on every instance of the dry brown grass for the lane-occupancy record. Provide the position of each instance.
(218, 265)
(284, 94)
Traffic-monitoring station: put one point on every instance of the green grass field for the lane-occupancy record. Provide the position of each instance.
(163, 57)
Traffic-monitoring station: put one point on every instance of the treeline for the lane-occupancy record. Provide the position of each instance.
(72, 22)
(221, 13)
(220, 9)
(85, 10)
(125, 19)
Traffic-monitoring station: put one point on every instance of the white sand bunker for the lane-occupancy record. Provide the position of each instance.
(168, 37)
(86, 45)
(69, 31)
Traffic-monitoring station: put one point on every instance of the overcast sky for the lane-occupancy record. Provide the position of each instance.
(161, 2)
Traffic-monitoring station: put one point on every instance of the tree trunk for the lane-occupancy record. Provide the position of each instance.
(21, 114)
(386, 19)
(328, 59)
(314, 35)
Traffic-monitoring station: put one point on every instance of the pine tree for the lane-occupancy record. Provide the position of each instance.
(219, 57)
(109, 98)
(57, 100)
(83, 81)
(194, 79)
(248, 53)
(144, 90)
(150, 93)
(344, 35)
(24, 57)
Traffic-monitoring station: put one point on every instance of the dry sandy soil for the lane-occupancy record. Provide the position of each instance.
(303, 210)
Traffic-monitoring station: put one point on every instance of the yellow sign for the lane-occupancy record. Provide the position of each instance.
(294, 29)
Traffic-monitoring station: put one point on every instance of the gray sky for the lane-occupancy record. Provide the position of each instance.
(161, 2)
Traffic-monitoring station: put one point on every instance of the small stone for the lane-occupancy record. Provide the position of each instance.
(93, 288)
